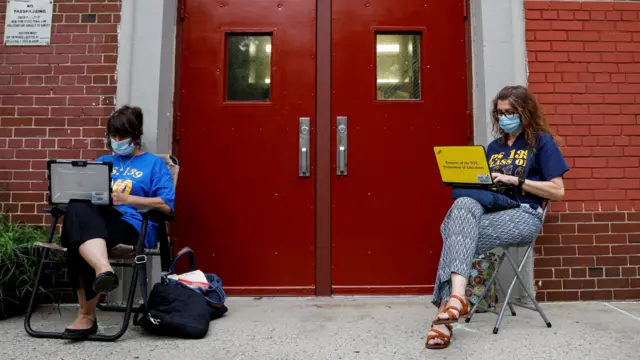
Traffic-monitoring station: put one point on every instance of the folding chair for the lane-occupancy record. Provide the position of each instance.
(134, 257)
(518, 277)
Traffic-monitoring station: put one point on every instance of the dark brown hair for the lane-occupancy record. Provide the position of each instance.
(525, 105)
(125, 122)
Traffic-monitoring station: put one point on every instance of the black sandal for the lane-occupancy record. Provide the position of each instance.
(79, 334)
(105, 282)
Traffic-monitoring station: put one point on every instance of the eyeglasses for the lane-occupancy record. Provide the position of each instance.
(509, 114)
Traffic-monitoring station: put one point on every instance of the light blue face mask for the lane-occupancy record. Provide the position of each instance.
(122, 147)
(509, 124)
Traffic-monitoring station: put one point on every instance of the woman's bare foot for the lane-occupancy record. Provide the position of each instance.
(82, 322)
(437, 339)
(455, 307)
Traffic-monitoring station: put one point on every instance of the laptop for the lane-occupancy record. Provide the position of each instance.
(466, 167)
(79, 180)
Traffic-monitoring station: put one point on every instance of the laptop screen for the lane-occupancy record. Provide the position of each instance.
(463, 164)
(79, 180)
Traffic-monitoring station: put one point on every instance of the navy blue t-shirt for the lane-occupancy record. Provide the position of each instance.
(547, 161)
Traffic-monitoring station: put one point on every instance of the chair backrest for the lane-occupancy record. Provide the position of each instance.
(172, 164)
(174, 168)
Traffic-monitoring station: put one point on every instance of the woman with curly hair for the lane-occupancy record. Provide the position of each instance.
(524, 145)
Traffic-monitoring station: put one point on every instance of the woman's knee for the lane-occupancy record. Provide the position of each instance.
(463, 206)
(79, 208)
(465, 203)
(462, 213)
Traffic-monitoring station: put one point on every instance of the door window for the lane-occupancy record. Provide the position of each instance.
(398, 66)
(249, 67)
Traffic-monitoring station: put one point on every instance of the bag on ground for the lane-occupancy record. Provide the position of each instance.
(181, 305)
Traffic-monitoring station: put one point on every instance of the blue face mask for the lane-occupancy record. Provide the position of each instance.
(122, 147)
(509, 125)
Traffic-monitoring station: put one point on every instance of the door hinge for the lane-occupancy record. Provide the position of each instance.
(176, 136)
(182, 9)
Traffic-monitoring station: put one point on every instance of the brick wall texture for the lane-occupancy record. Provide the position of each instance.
(584, 62)
(54, 100)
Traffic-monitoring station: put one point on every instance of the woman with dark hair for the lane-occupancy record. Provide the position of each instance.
(524, 145)
(139, 179)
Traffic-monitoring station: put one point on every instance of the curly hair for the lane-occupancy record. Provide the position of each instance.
(524, 104)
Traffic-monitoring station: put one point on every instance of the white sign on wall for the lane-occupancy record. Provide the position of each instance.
(28, 22)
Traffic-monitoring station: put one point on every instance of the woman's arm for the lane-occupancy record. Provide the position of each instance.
(141, 202)
(552, 189)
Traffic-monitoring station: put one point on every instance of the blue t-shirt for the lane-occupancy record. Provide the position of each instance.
(546, 163)
(145, 175)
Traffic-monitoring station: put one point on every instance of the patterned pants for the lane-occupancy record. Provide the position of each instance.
(468, 231)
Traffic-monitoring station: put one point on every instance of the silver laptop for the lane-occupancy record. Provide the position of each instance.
(79, 180)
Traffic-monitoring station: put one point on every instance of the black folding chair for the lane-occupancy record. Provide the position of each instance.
(135, 258)
(517, 277)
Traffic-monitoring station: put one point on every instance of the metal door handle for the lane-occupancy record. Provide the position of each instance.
(304, 167)
(303, 152)
(341, 135)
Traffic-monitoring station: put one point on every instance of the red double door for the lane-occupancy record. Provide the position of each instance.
(250, 141)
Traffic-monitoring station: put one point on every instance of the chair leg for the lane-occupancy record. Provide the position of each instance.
(484, 292)
(506, 304)
(127, 313)
(513, 283)
(526, 290)
(32, 300)
(518, 278)
(97, 337)
(36, 286)
(513, 311)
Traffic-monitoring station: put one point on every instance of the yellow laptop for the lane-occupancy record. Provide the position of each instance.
(464, 166)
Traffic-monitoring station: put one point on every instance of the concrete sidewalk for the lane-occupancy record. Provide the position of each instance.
(349, 328)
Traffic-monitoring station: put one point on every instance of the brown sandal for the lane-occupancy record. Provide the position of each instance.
(453, 318)
(439, 335)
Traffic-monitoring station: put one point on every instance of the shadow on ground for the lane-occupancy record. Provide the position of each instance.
(349, 328)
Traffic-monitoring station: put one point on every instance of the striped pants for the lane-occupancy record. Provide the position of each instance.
(467, 231)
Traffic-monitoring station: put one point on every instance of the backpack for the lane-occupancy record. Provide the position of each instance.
(174, 308)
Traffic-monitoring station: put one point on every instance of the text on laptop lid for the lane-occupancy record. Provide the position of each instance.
(463, 164)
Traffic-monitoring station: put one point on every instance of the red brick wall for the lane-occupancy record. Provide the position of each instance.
(584, 62)
(54, 99)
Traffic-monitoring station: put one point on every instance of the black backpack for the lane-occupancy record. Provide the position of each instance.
(175, 309)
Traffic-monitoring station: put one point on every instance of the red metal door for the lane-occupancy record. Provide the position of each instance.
(247, 77)
(399, 78)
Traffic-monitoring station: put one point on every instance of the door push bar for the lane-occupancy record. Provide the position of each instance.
(303, 147)
(341, 156)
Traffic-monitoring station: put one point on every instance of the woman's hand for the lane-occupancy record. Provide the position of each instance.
(505, 179)
(120, 198)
